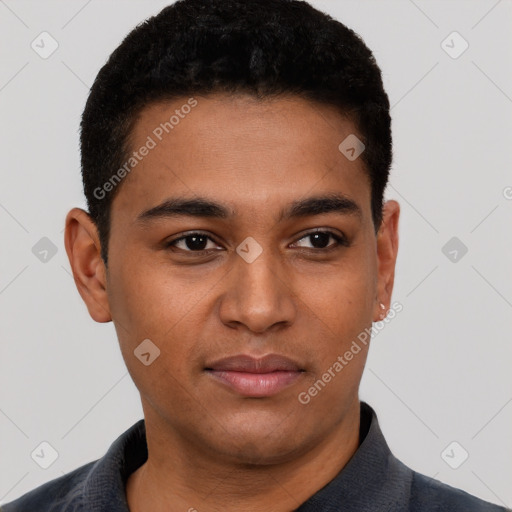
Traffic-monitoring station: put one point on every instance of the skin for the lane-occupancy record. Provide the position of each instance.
(210, 448)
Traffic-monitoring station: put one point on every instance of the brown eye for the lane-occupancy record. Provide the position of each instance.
(320, 240)
(193, 242)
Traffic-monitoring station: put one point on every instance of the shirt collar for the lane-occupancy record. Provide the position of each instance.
(373, 479)
(105, 486)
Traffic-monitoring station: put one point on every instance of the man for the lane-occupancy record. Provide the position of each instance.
(234, 157)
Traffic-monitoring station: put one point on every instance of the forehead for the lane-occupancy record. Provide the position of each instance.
(240, 151)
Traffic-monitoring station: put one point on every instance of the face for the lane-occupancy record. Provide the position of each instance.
(276, 257)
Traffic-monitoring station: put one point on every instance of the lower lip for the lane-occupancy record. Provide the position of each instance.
(256, 384)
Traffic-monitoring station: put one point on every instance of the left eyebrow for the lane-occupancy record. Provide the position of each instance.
(318, 205)
(206, 208)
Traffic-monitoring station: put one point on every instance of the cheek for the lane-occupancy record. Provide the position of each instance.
(343, 298)
(149, 302)
(341, 304)
(148, 299)
(148, 305)
(340, 354)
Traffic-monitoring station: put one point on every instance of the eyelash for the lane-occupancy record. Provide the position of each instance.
(341, 241)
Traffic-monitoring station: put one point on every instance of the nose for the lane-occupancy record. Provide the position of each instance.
(258, 295)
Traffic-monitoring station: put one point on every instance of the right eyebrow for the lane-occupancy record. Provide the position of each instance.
(175, 207)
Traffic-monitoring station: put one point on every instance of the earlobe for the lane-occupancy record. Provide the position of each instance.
(387, 252)
(84, 253)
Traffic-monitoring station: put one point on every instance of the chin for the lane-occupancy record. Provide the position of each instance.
(261, 444)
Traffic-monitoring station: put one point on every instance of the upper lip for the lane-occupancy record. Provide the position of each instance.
(246, 363)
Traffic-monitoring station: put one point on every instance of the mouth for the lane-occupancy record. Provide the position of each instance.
(252, 377)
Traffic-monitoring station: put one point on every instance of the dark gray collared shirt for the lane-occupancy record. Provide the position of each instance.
(372, 481)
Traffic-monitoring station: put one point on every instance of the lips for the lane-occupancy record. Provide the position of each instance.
(249, 364)
(255, 377)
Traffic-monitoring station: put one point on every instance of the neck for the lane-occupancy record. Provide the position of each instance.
(192, 481)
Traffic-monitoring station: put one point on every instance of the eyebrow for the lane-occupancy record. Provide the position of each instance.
(206, 208)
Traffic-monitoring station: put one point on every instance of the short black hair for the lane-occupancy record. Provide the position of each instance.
(266, 48)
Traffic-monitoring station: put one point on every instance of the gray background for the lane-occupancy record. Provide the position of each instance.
(438, 372)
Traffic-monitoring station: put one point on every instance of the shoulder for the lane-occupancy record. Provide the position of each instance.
(97, 485)
(431, 495)
(63, 493)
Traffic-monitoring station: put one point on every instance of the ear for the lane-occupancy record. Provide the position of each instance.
(387, 250)
(84, 253)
